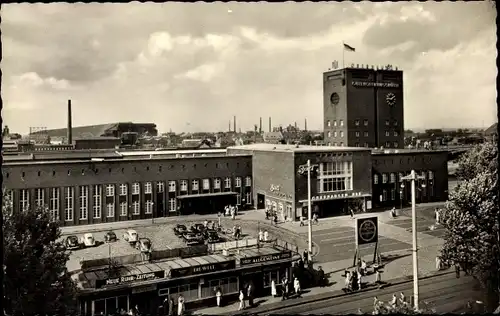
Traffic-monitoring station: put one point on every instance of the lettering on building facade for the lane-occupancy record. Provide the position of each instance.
(131, 278)
(265, 258)
(371, 84)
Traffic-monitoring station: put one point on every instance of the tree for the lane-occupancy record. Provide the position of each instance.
(36, 280)
(471, 220)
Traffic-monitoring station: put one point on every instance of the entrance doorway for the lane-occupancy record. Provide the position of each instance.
(206, 204)
(261, 201)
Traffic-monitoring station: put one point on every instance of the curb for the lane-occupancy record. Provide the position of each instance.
(336, 294)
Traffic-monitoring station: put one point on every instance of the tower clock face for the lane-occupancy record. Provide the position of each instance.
(334, 98)
(390, 98)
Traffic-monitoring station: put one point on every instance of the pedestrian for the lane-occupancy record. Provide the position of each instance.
(457, 270)
(352, 213)
(402, 298)
(378, 277)
(205, 223)
(261, 235)
(438, 263)
(283, 289)
(302, 220)
(359, 281)
(275, 219)
(180, 306)
(240, 231)
(375, 302)
(218, 295)
(321, 277)
(394, 301)
(266, 236)
(226, 210)
(233, 213)
(287, 288)
(360, 312)
(315, 218)
(347, 280)
(363, 267)
(250, 295)
(234, 231)
(296, 286)
(305, 256)
(171, 305)
(236, 210)
(242, 301)
(273, 289)
(165, 305)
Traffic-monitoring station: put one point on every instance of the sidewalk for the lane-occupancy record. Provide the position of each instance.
(398, 267)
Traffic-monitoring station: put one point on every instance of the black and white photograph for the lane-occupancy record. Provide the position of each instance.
(250, 158)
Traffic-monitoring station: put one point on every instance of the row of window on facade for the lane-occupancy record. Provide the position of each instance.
(420, 192)
(387, 144)
(358, 123)
(357, 134)
(391, 177)
(335, 176)
(54, 197)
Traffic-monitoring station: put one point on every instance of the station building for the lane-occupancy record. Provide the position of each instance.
(82, 188)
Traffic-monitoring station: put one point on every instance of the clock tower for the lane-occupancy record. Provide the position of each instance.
(363, 107)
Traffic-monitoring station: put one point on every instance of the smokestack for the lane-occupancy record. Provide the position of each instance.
(260, 125)
(305, 125)
(270, 125)
(229, 126)
(234, 123)
(295, 124)
(69, 132)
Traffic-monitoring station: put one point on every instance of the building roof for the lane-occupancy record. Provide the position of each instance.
(296, 148)
(406, 151)
(493, 129)
(81, 131)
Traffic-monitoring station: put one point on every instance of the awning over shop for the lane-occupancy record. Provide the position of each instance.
(337, 196)
(160, 270)
(188, 196)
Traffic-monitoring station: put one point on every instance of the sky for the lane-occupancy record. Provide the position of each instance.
(192, 66)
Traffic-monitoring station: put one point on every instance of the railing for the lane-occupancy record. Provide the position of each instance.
(285, 245)
(235, 244)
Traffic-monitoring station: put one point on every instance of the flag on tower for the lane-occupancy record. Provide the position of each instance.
(349, 48)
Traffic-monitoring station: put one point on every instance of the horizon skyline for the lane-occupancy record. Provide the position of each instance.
(183, 63)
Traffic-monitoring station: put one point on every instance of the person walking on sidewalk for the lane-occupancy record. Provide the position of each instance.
(296, 286)
(378, 277)
(242, 301)
(273, 289)
(218, 295)
(306, 256)
(180, 306)
(302, 221)
(261, 235)
(250, 295)
(266, 236)
(315, 218)
(352, 213)
(275, 219)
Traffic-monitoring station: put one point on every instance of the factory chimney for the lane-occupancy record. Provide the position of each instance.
(69, 132)
(305, 125)
(229, 126)
(234, 123)
(270, 125)
(260, 125)
(295, 125)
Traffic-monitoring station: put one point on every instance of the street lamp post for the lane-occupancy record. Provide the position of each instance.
(402, 186)
(413, 177)
(309, 206)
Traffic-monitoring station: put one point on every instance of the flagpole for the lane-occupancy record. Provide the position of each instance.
(343, 55)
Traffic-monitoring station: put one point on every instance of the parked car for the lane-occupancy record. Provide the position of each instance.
(88, 240)
(110, 237)
(131, 236)
(197, 228)
(193, 239)
(179, 230)
(72, 242)
(212, 236)
(143, 245)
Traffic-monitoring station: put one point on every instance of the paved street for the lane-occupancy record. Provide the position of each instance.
(423, 225)
(338, 243)
(444, 294)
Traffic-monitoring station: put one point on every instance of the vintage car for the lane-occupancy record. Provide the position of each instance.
(143, 245)
(110, 237)
(211, 236)
(193, 239)
(131, 236)
(179, 230)
(72, 243)
(197, 228)
(88, 240)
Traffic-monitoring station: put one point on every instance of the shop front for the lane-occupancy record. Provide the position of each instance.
(279, 203)
(335, 204)
(205, 203)
(145, 286)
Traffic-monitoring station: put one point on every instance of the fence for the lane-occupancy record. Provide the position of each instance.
(251, 242)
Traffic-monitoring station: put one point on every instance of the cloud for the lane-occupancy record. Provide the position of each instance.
(174, 63)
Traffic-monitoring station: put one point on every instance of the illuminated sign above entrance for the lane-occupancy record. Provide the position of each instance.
(131, 278)
(371, 84)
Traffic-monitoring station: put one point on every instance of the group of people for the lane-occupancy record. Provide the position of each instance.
(314, 219)
(237, 231)
(354, 278)
(393, 303)
(249, 296)
(263, 236)
(231, 210)
(285, 288)
(169, 306)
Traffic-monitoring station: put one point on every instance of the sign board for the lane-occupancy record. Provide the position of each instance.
(303, 169)
(371, 84)
(366, 230)
(274, 188)
(131, 279)
(265, 258)
(201, 269)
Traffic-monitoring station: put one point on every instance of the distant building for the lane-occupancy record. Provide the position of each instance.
(104, 130)
(273, 137)
(491, 133)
